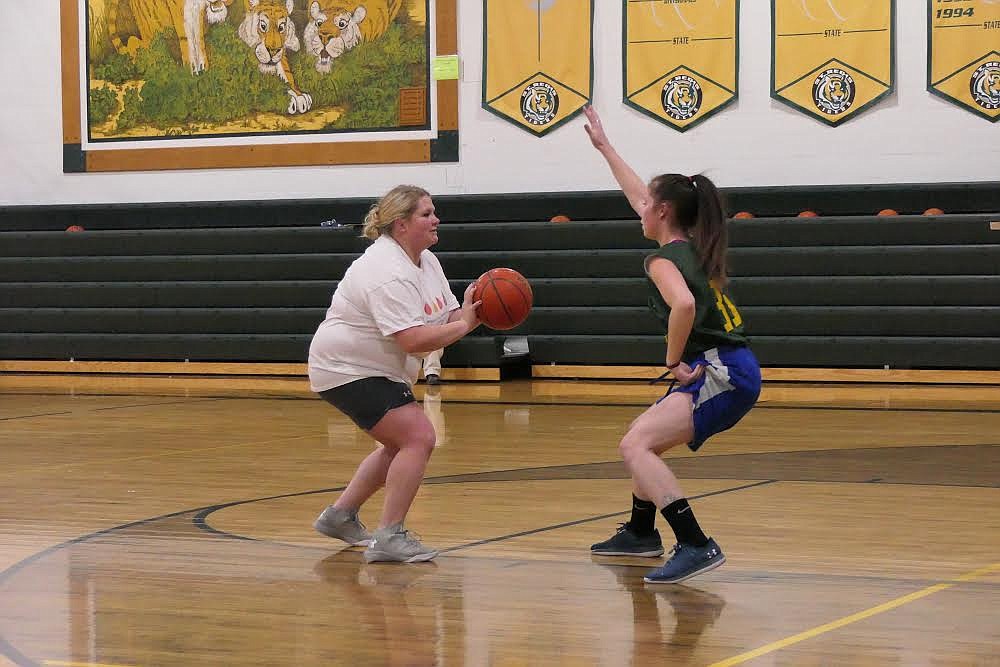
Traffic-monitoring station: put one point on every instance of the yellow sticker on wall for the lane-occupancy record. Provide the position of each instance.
(832, 59)
(537, 61)
(963, 54)
(680, 60)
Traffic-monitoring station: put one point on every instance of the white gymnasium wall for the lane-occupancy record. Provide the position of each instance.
(911, 137)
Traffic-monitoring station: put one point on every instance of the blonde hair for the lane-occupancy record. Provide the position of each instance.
(400, 202)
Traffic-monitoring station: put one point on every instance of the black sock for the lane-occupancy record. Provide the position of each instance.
(680, 516)
(643, 517)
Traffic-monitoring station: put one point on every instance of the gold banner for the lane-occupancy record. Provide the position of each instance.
(832, 59)
(680, 60)
(963, 54)
(537, 61)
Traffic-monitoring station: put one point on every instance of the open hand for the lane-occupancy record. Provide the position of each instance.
(469, 307)
(594, 128)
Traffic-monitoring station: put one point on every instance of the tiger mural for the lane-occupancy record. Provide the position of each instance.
(267, 28)
(337, 26)
(148, 18)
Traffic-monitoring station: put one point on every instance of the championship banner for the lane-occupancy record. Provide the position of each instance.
(832, 59)
(681, 61)
(963, 54)
(538, 60)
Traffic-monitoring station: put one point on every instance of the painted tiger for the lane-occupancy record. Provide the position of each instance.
(188, 18)
(267, 28)
(337, 26)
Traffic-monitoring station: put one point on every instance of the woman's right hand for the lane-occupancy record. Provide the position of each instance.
(594, 128)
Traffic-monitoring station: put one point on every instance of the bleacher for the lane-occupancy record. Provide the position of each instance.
(849, 291)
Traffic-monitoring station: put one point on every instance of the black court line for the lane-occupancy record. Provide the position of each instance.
(592, 518)
(43, 414)
(759, 406)
(206, 399)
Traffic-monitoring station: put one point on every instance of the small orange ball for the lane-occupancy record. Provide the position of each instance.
(743, 215)
(559, 218)
(808, 214)
(933, 211)
(74, 228)
(887, 211)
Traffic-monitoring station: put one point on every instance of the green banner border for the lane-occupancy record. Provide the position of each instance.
(931, 84)
(646, 112)
(890, 87)
(589, 97)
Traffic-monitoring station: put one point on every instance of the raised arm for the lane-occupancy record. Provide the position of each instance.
(632, 186)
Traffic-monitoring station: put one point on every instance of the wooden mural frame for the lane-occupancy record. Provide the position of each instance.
(443, 148)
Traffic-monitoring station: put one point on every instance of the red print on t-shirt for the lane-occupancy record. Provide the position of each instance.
(427, 308)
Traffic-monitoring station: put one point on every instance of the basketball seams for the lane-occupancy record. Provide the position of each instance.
(504, 295)
(496, 291)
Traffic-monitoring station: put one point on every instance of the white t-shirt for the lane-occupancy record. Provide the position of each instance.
(382, 292)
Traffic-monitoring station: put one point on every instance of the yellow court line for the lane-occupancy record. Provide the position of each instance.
(64, 663)
(847, 620)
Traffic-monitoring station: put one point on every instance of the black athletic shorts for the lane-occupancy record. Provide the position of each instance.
(367, 400)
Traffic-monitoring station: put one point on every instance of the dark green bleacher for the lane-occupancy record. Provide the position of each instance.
(857, 291)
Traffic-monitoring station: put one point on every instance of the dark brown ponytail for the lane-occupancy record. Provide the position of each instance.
(698, 211)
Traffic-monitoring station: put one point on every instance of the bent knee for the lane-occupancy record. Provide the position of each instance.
(631, 446)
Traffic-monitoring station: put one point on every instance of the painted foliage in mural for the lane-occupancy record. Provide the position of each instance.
(175, 68)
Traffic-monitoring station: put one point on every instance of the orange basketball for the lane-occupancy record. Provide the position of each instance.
(743, 215)
(74, 228)
(933, 211)
(559, 218)
(887, 211)
(808, 214)
(506, 298)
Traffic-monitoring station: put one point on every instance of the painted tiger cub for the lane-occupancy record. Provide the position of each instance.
(188, 18)
(337, 26)
(267, 28)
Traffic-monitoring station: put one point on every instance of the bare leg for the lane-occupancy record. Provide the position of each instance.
(664, 425)
(407, 430)
(367, 479)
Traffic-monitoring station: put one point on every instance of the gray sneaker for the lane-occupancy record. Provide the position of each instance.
(343, 525)
(395, 543)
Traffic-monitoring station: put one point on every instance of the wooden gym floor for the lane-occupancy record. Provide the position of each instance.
(167, 521)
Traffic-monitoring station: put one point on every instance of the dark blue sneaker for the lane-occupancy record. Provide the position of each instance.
(627, 543)
(686, 562)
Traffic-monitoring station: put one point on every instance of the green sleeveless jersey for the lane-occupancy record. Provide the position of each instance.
(716, 320)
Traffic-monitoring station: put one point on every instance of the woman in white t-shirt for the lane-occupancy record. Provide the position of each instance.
(393, 306)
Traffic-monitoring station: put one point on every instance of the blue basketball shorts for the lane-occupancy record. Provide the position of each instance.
(725, 392)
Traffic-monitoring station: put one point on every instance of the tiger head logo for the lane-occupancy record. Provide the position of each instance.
(681, 97)
(985, 85)
(833, 91)
(539, 103)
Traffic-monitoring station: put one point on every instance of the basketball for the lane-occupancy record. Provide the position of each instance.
(887, 211)
(559, 218)
(933, 211)
(743, 215)
(506, 298)
(74, 228)
(808, 214)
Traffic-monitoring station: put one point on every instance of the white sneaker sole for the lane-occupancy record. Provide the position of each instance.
(640, 554)
(708, 568)
(321, 529)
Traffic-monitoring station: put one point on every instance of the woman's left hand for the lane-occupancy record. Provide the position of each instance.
(685, 375)
(469, 307)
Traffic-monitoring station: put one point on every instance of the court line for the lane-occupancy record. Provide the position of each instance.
(69, 663)
(543, 529)
(43, 414)
(853, 618)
